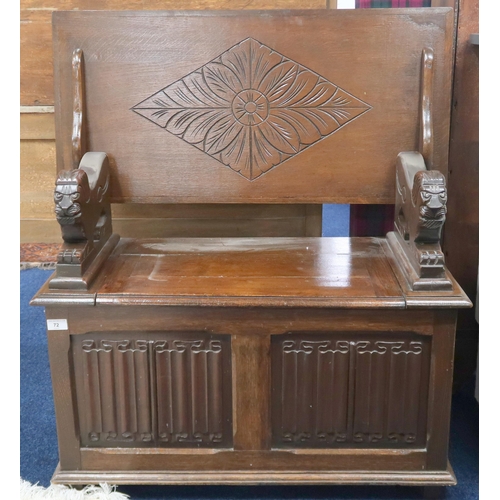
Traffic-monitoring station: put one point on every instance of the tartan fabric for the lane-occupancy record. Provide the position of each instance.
(377, 220)
(387, 4)
(371, 220)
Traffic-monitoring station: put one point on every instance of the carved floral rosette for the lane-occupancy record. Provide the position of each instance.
(251, 108)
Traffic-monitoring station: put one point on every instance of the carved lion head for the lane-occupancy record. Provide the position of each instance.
(72, 190)
(430, 196)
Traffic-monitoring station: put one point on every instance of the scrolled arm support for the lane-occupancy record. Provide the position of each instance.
(420, 213)
(420, 200)
(83, 210)
(81, 198)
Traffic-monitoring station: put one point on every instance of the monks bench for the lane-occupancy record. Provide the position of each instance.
(252, 360)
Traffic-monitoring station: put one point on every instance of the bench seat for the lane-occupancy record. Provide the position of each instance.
(244, 272)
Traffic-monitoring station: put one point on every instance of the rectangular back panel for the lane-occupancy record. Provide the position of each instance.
(253, 106)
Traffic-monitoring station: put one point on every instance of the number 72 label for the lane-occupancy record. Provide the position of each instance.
(57, 324)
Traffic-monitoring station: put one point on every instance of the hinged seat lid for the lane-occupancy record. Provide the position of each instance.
(250, 271)
(247, 272)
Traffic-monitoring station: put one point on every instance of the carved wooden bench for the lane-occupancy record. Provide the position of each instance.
(252, 360)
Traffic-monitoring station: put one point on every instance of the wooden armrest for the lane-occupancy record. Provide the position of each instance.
(83, 210)
(81, 199)
(420, 214)
(420, 200)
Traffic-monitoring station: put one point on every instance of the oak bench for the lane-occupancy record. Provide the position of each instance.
(252, 360)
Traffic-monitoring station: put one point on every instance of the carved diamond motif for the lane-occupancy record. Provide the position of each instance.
(251, 108)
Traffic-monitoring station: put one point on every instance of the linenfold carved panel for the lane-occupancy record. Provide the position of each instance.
(349, 390)
(153, 390)
(185, 369)
(252, 108)
(116, 392)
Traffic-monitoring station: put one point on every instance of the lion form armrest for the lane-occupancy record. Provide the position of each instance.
(83, 211)
(80, 199)
(420, 214)
(429, 196)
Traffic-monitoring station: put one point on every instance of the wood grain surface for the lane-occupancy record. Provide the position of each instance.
(415, 478)
(462, 254)
(38, 173)
(150, 164)
(246, 272)
(288, 268)
(37, 84)
(37, 126)
(39, 225)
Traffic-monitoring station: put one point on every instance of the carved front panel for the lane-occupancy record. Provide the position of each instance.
(189, 378)
(153, 389)
(116, 405)
(335, 390)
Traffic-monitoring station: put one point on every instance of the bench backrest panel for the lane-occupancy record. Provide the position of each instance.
(254, 106)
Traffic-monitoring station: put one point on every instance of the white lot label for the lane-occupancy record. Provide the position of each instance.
(57, 324)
